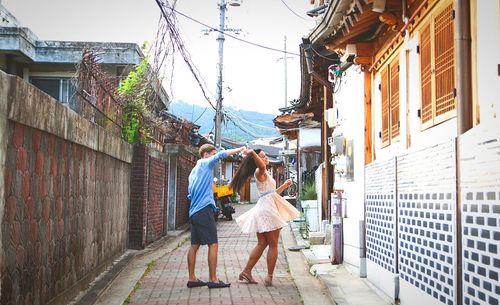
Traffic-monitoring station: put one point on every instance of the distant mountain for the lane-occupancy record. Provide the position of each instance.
(242, 126)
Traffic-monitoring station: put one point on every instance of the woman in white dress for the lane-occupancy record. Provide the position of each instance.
(267, 217)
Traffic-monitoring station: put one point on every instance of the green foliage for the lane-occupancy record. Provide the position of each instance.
(234, 197)
(304, 225)
(308, 191)
(135, 91)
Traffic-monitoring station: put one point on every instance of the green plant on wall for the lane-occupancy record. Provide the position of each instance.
(308, 192)
(136, 117)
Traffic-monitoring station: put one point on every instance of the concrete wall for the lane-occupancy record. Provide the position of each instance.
(488, 59)
(480, 198)
(64, 198)
(350, 104)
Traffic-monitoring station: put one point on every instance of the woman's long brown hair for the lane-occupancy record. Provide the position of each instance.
(246, 170)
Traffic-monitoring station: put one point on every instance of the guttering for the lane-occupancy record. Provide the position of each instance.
(316, 11)
(331, 18)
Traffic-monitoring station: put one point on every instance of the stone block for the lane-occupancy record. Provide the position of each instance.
(316, 238)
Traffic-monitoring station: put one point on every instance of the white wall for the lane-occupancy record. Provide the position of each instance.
(350, 104)
(309, 137)
(488, 59)
(228, 170)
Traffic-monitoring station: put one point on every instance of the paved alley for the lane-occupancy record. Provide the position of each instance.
(166, 281)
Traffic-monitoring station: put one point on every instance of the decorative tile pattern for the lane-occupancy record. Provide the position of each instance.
(426, 209)
(380, 202)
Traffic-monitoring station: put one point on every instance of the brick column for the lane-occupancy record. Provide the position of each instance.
(138, 198)
(4, 95)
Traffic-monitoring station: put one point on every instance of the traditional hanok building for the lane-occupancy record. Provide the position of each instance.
(414, 142)
(306, 116)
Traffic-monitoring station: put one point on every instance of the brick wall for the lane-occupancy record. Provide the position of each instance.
(65, 214)
(138, 198)
(148, 210)
(185, 164)
(156, 199)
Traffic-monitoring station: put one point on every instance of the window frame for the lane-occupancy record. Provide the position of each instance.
(430, 21)
(62, 94)
(386, 68)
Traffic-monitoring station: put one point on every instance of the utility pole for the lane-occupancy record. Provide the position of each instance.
(286, 80)
(285, 139)
(218, 107)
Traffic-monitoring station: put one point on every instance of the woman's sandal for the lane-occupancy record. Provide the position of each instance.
(269, 280)
(246, 278)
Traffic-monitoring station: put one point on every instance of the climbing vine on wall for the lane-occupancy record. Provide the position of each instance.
(137, 117)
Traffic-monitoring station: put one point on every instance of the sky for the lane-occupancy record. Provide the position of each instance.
(254, 78)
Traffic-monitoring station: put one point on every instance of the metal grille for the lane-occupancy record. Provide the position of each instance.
(444, 52)
(385, 105)
(480, 173)
(380, 201)
(425, 70)
(426, 203)
(394, 75)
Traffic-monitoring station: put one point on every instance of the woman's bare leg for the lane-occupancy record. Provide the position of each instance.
(272, 239)
(255, 255)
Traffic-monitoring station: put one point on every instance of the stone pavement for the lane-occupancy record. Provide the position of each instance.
(166, 281)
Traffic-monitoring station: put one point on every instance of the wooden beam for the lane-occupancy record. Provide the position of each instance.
(364, 24)
(368, 118)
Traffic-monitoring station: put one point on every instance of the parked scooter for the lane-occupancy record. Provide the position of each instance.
(222, 197)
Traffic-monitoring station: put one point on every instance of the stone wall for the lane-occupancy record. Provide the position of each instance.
(65, 195)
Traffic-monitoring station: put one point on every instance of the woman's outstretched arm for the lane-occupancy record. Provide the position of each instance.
(284, 186)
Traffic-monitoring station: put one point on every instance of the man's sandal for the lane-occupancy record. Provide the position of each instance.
(197, 283)
(219, 284)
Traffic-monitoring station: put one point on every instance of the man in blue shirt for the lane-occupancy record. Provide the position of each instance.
(201, 214)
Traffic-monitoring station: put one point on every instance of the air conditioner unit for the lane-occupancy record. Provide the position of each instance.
(330, 117)
(350, 53)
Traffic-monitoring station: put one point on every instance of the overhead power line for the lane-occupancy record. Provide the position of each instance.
(176, 39)
(291, 10)
(234, 115)
(229, 35)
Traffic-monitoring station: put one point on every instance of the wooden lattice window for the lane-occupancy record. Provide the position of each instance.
(385, 106)
(389, 87)
(394, 90)
(437, 68)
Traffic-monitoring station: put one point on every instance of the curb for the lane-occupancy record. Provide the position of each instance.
(106, 279)
(338, 281)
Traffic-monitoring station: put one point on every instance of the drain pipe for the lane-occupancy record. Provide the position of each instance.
(464, 119)
(463, 74)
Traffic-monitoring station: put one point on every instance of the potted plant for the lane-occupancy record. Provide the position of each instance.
(308, 201)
